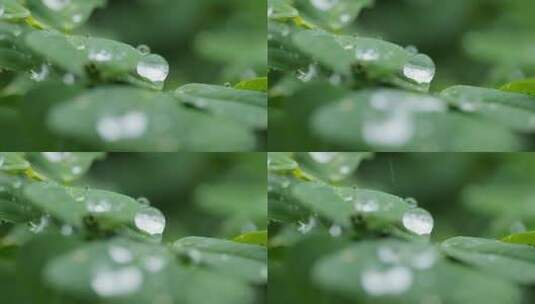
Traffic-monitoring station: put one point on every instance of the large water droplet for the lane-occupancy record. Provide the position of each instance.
(56, 5)
(323, 157)
(128, 126)
(324, 5)
(98, 206)
(418, 221)
(153, 67)
(150, 220)
(420, 68)
(120, 254)
(123, 281)
(392, 281)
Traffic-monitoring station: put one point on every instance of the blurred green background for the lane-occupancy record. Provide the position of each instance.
(208, 41)
(477, 42)
(204, 194)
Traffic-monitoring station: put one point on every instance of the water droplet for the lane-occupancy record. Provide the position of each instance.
(56, 5)
(396, 129)
(120, 254)
(98, 206)
(365, 205)
(154, 263)
(41, 74)
(1, 160)
(392, 281)
(335, 79)
(77, 18)
(153, 67)
(68, 79)
(128, 126)
(123, 281)
(143, 49)
(2, 10)
(425, 259)
(100, 55)
(305, 228)
(144, 201)
(323, 157)
(345, 18)
(420, 68)
(324, 5)
(411, 201)
(150, 220)
(308, 75)
(76, 170)
(335, 230)
(56, 157)
(194, 255)
(66, 230)
(366, 54)
(344, 170)
(41, 225)
(418, 221)
(227, 84)
(411, 49)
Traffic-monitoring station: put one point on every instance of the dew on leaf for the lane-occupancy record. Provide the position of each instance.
(418, 221)
(365, 205)
(128, 126)
(323, 157)
(335, 230)
(420, 68)
(118, 282)
(143, 49)
(305, 228)
(306, 76)
(153, 67)
(100, 55)
(56, 5)
(392, 281)
(56, 157)
(98, 206)
(120, 254)
(324, 5)
(396, 129)
(68, 79)
(150, 220)
(366, 54)
(40, 74)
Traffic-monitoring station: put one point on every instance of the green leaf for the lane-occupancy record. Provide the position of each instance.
(392, 271)
(526, 238)
(388, 120)
(139, 120)
(281, 10)
(126, 272)
(13, 161)
(245, 106)
(511, 261)
(13, 10)
(333, 14)
(513, 110)
(66, 15)
(333, 166)
(524, 86)
(253, 238)
(281, 161)
(256, 84)
(65, 166)
(110, 210)
(243, 261)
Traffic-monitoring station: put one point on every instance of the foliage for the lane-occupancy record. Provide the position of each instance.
(64, 88)
(338, 241)
(353, 75)
(63, 240)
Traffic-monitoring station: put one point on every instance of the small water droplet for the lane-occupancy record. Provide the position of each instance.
(100, 55)
(77, 18)
(392, 281)
(120, 254)
(310, 74)
(153, 67)
(420, 68)
(128, 126)
(143, 49)
(411, 201)
(66, 230)
(41, 74)
(324, 5)
(305, 228)
(153, 263)
(56, 5)
(68, 79)
(194, 255)
(418, 221)
(323, 157)
(56, 157)
(2, 10)
(411, 49)
(123, 281)
(345, 18)
(335, 230)
(366, 54)
(98, 206)
(1, 160)
(150, 220)
(365, 205)
(143, 200)
(76, 170)
(41, 225)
